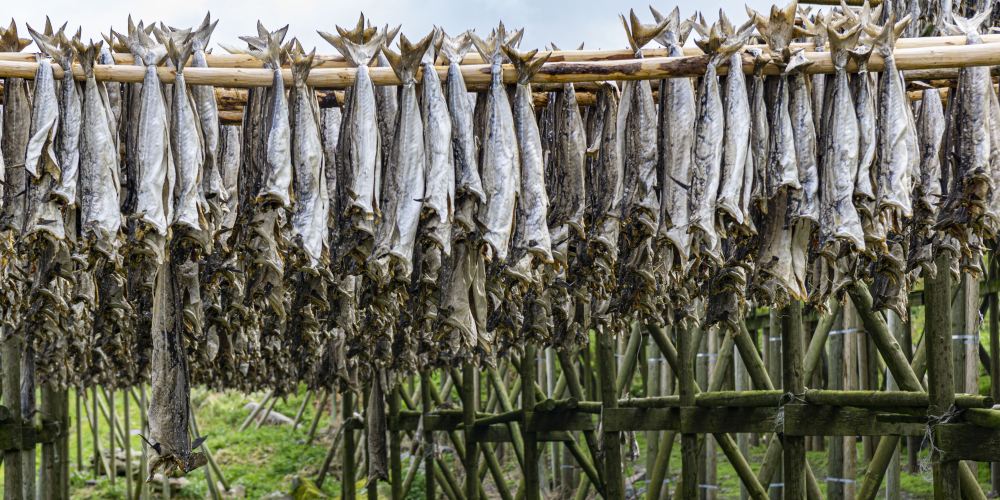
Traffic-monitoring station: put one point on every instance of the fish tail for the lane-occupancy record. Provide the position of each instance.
(178, 53)
(356, 54)
(846, 40)
(453, 49)
(301, 65)
(200, 37)
(525, 63)
(407, 61)
(88, 55)
(970, 25)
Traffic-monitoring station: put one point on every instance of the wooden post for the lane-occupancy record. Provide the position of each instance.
(741, 383)
(893, 484)
(794, 382)
(614, 482)
(994, 367)
(653, 366)
(113, 472)
(688, 487)
(532, 483)
(10, 361)
(940, 372)
(128, 445)
(835, 460)
(349, 467)
(319, 414)
(428, 437)
(470, 405)
(50, 485)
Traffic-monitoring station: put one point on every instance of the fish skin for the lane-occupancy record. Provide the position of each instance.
(800, 111)
(439, 174)
(895, 132)
(403, 178)
(14, 142)
(759, 131)
(100, 187)
(927, 189)
(186, 148)
(311, 209)
(969, 182)
(113, 89)
(155, 183)
(839, 219)
(467, 179)
(212, 188)
(229, 168)
(864, 109)
(566, 181)
(41, 162)
(499, 160)
(68, 139)
(532, 232)
(736, 145)
(359, 149)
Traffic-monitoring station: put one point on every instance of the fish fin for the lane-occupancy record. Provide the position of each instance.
(390, 34)
(489, 48)
(232, 49)
(45, 43)
(515, 39)
(525, 63)
(356, 54)
(453, 49)
(797, 61)
(968, 26)
(178, 53)
(204, 32)
(434, 49)
(407, 61)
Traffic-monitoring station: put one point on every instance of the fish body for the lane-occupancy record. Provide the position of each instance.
(207, 110)
(100, 186)
(736, 150)
(404, 186)
(439, 190)
(499, 160)
(532, 234)
(309, 219)
(40, 161)
(838, 217)
(186, 149)
(68, 140)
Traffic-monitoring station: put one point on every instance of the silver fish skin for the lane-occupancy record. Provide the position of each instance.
(800, 111)
(43, 213)
(759, 130)
(113, 89)
(864, 109)
(278, 177)
(499, 160)
(532, 233)
(969, 181)
(68, 140)
(736, 144)
(186, 148)
(439, 174)
(360, 134)
(16, 127)
(154, 197)
(782, 168)
(705, 174)
(566, 180)
(895, 133)
(100, 187)
(468, 184)
(839, 220)
(229, 168)
(309, 219)
(208, 115)
(605, 185)
(927, 189)
(387, 103)
(404, 186)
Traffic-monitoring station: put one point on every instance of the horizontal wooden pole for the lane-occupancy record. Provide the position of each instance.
(478, 75)
(983, 417)
(472, 58)
(879, 399)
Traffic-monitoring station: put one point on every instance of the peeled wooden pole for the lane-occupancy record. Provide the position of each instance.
(940, 375)
(794, 382)
(478, 75)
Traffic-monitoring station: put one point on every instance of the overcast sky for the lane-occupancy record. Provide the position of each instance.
(563, 22)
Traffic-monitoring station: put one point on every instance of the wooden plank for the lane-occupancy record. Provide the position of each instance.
(811, 420)
(967, 442)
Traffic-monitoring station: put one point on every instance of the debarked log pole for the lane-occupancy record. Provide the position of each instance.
(325, 61)
(478, 75)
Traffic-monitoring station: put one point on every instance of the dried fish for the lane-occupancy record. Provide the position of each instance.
(927, 189)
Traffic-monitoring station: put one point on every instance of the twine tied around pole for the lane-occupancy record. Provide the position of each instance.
(926, 464)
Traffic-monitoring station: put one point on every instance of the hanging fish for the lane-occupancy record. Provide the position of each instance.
(14, 140)
(462, 333)
(212, 189)
(969, 189)
(636, 129)
(41, 161)
(499, 162)
(359, 161)
(927, 189)
(838, 217)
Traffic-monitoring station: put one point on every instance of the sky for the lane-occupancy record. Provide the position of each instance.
(566, 23)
